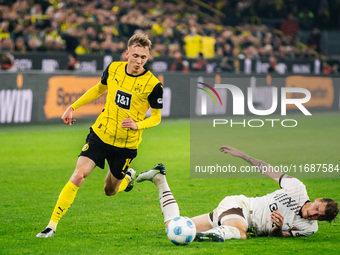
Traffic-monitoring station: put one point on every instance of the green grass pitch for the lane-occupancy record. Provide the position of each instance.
(37, 161)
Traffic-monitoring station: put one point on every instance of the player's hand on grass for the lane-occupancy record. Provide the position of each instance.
(277, 219)
(129, 123)
(67, 116)
(230, 150)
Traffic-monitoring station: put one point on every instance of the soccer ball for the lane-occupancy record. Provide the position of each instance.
(181, 230)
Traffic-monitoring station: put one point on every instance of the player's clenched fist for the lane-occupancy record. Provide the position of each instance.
(67, 116)
(129, 123)
(277, 218)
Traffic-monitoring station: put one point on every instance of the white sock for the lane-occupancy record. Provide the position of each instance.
(167, 201)
(52, 225)
(227, 232)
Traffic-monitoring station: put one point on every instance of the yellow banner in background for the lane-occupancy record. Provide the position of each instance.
(62, 91)
(321, 89)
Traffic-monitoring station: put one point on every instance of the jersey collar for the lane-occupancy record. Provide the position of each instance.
(145, 71)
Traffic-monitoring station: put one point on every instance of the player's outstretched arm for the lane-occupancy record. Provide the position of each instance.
(90, 95)
(262, 166)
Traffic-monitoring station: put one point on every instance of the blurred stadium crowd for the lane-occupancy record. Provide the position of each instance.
(224, 29)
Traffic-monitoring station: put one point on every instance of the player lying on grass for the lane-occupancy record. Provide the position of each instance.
(283, 213)
(116, 134)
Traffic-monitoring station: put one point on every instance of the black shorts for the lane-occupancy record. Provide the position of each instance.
(119, 159)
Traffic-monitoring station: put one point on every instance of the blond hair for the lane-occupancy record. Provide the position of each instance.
(141, 40)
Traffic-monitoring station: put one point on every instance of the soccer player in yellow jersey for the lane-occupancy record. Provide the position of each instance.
(116, 134)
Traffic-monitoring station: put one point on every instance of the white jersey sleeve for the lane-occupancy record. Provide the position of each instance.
(287, 182)
(307, 228)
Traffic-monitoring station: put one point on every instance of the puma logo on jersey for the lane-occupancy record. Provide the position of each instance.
(117, 81)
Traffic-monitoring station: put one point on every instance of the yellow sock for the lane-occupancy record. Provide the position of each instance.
(64, 202)
(124, 183)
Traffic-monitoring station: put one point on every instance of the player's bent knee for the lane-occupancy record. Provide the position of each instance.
(78, 178)
(109, 191)
(243, 235)
(243, 232)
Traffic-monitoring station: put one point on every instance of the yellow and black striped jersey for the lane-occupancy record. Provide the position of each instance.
(128, 96)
